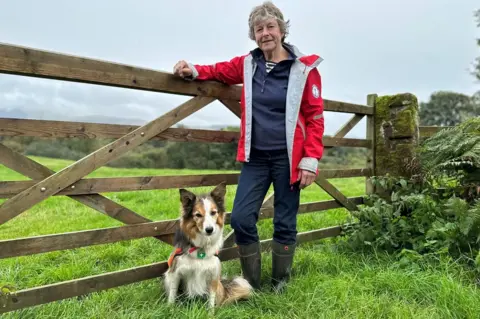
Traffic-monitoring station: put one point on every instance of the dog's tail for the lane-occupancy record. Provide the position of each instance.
(231, 290)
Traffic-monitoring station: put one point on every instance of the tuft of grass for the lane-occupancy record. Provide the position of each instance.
(327, 283)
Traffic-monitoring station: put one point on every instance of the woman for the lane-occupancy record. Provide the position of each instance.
(281, 134)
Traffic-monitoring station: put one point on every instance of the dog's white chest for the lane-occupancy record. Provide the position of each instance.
(197, 274)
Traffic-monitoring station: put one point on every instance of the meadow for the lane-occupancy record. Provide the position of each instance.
(328, 282)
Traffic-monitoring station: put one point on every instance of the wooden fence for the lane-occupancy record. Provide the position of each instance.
(22, 195)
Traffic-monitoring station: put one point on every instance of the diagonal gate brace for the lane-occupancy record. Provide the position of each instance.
(34, 170)
(67, 176)
(335, 193)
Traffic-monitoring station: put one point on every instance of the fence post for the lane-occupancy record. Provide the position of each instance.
(371, 100)
(396, 134)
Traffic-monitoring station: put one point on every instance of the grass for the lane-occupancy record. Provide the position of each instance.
(327, 283)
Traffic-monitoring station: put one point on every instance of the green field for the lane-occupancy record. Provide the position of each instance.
(327, 283)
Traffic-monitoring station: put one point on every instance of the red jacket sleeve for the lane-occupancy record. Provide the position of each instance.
(228, 72)
(312, 109)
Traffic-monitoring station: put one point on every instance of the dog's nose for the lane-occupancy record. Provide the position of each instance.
(209, 230)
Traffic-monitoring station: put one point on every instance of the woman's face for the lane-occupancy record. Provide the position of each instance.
(268, 35)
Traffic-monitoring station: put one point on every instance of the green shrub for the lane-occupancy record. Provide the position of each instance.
(436, 213)
(418, 218)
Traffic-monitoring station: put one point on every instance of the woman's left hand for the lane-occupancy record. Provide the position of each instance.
(306, 178)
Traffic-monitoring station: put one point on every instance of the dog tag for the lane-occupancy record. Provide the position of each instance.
(201, 254)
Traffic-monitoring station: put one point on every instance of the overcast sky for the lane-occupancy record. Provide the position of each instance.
(368, 46)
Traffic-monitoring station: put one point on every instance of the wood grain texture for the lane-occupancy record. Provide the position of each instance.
(317, 234)
(32, 62)
(345, 172)
(233, 106)
(144, 183)
(64, 129)
(22, 164)
(329, 106)
(122, 184)
(335, 193)
(21, 60)
(347, 127)
(82, 286)
(344, 107)
(77, 287)
(346, 142)
(370, 161)
(70, 240)
(72, 173)
(158, 229)
(304, 208)
(32, 169)
(60, 129)
(327, 205)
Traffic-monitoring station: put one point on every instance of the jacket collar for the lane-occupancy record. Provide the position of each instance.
(258, 54)
(295, 53)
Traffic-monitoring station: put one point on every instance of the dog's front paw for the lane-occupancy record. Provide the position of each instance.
(171, 299)
(211, 310)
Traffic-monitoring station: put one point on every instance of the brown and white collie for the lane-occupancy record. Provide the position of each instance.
(194, 265)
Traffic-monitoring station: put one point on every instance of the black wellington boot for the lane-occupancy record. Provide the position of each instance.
(251, 262)
(282, 260)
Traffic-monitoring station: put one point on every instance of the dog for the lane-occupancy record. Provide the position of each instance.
(194, 265)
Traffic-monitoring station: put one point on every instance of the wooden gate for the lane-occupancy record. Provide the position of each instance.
(70, 181)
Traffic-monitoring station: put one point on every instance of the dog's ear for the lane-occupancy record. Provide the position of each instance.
(187, 199)
(218, 193)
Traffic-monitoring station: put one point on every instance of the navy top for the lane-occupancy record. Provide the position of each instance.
(269, 92)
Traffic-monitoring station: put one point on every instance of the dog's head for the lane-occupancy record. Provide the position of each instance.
(203, 213)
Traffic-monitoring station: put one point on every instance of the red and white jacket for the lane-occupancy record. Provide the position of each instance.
(304, 106)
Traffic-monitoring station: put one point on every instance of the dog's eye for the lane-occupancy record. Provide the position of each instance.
(213, 212)
(198, 215)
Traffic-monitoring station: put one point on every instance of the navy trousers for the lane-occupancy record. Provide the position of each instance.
(256, 176)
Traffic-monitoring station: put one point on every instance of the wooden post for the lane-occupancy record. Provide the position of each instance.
(396, 135)
(371, 98)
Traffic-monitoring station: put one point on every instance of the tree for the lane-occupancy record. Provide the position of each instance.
(447, 108)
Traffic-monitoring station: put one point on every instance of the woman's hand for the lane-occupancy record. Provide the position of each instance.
(182, 70)
(306, 178)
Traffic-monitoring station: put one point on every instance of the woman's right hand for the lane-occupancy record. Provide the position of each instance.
(182, 69)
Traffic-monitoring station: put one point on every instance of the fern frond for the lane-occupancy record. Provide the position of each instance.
(453, 149)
